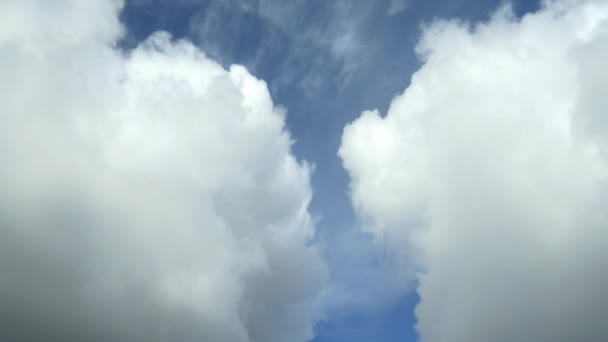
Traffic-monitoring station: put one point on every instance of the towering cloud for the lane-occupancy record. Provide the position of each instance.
(491, 169)
(145, 196)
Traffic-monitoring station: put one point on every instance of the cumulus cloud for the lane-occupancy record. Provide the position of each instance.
(146, 196)
(491, 172)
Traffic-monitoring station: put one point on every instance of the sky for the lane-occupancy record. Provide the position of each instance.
(306, 170)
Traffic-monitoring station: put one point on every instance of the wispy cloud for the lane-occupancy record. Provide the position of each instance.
(397, 6)
(304, 29)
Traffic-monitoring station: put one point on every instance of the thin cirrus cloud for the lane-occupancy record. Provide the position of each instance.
(148, 196)
(397, 6)
(314, 36)
(491, 171)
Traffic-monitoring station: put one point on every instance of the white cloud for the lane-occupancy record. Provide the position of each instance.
(145, 197)
(491, 168)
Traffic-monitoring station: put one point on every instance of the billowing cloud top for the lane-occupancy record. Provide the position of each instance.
(145, 197)
(492, 167)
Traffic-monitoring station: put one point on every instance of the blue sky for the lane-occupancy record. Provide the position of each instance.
(303, 170)
(323, 88)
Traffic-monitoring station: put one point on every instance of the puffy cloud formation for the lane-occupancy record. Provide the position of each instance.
(491, 169)
(148, 196)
